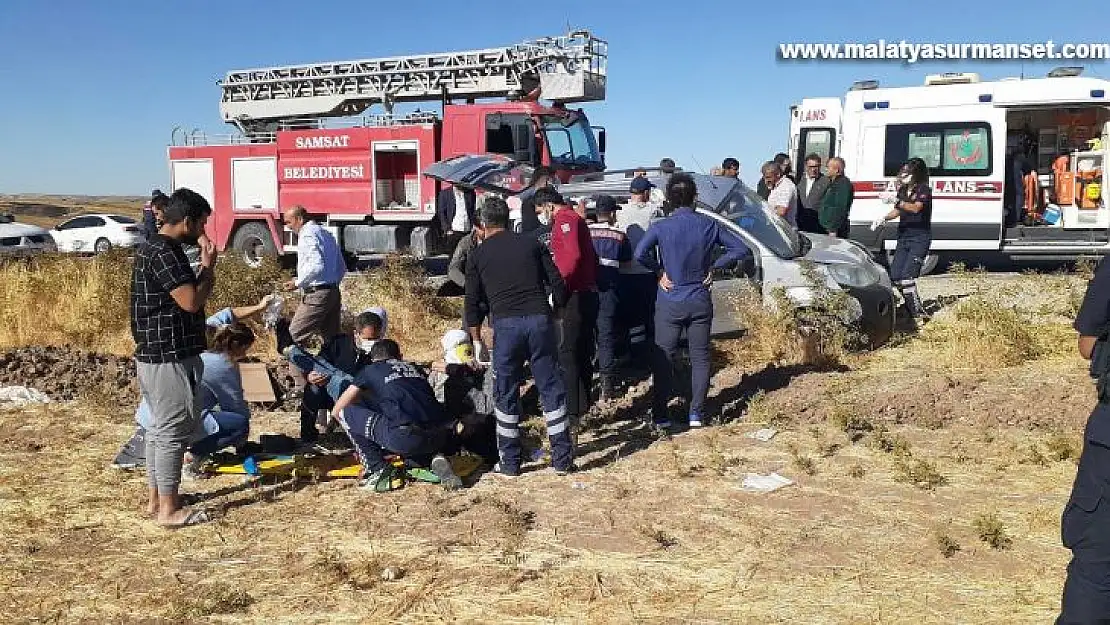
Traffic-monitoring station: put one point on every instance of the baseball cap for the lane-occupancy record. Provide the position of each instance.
(605, 204)
(639, 184)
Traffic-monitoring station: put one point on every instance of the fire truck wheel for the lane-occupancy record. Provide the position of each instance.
(253, 241)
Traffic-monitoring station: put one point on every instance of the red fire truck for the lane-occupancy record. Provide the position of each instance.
(298, 140)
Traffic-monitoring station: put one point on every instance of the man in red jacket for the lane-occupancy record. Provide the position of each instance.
(574, 255)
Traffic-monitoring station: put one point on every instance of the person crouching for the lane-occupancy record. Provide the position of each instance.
(391, 408)
(466, 391)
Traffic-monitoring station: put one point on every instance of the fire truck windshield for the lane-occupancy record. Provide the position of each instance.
(570, 140)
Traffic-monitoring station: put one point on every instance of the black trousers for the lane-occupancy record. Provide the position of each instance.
(576, 327)
(1085, 529)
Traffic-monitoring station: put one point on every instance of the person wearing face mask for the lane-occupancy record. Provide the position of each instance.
(330, 372)
(530, 220)
(168, 327)
(913, 208)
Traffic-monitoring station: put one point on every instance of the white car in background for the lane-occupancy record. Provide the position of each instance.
(97, 233)
(23, 239)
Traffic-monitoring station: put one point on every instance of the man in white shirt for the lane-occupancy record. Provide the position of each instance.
(783, 196)
(320, 268)
(638, 284)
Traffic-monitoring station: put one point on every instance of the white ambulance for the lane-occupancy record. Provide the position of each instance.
(968, 132)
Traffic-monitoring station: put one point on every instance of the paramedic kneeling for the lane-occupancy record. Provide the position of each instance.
(1085, 524)
(686, 241)
(390, 407)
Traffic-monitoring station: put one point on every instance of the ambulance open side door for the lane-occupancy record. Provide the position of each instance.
(815, 129)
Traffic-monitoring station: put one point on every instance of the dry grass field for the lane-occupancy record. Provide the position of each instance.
(50, 210)
(929, 479)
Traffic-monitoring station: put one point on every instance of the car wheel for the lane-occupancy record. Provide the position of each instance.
(253, 242)
(102, 245)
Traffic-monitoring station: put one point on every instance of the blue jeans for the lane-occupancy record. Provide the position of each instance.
(233, 432)
(695, 316)
(517, 340)
(608, 331)
(373, 435)
(317, 398)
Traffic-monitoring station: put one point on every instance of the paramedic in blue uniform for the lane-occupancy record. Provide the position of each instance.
(1085, 524)
(613, 252)
(685, 241)
(913, 208)
(509, 272)
(391, 408)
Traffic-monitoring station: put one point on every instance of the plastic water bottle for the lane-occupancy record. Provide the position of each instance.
(273, 311)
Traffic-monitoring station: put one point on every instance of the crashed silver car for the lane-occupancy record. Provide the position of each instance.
(780, 254)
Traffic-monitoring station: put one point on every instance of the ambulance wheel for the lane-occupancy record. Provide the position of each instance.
(253, 242)
(927, 267)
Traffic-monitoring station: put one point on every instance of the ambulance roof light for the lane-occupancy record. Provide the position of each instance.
(952, 78)
(864, 85)
(1065, 72)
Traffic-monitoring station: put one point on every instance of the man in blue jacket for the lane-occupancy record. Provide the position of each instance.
(685, 241)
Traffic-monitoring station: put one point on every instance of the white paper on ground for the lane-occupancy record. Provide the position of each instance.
(20, 395)
(756, 483)
(764, 434)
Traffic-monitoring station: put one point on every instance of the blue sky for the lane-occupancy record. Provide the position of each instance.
(92, 88)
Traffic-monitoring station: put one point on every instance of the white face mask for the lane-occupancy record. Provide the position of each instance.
(366, 344)
(544, 217)
(904, 178)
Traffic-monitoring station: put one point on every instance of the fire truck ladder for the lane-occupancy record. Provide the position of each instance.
(568, 68)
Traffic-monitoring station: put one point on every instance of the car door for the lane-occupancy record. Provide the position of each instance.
(64, 234)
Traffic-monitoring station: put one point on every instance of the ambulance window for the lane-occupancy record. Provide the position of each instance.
(949, 149)
(817, 141)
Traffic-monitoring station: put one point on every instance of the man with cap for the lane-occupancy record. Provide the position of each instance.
(637, 290)
(613, 252)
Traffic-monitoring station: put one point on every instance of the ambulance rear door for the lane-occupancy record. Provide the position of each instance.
(815, 129)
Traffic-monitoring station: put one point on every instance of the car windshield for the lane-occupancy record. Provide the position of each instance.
(746, 209)
(570, 141)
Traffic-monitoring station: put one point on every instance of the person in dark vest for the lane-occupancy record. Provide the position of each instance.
(1085, 523)
(453, 222)
(613, 252)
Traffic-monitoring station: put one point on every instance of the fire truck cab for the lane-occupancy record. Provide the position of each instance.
(361, 177)
(1016, 165)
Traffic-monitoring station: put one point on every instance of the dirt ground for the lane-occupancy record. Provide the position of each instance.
(928, 489)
